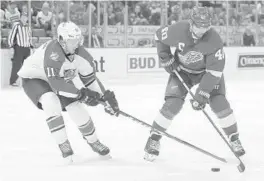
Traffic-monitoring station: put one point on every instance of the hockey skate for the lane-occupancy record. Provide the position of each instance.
(66, 151)
(100, 148)
(152, 147)
(236, 145)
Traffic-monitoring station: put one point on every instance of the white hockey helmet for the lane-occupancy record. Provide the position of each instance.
(69, 36)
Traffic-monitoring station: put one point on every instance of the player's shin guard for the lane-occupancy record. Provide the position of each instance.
(58, 131)
(229, 126)
(88, 131)
(80, 116)
(152, 147)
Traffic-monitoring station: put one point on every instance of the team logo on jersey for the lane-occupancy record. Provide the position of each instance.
(69, 74)
(191, 57)
(54, 56)
(68, 71)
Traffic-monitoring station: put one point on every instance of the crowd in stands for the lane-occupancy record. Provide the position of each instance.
(46, 15)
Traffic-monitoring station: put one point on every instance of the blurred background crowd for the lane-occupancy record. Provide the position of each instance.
(104, 22)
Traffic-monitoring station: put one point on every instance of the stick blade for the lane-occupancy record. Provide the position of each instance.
(241, 167)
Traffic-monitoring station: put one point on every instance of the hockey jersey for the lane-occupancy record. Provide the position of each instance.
(66, 75)
(194, 56)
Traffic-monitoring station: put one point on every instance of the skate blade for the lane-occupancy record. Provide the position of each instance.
(106, 157)
(150, 157)
(68, 160)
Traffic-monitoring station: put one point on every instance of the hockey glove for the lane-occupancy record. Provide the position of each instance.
(201, 98)
(111, 106)
(169, 65)
(89, 97)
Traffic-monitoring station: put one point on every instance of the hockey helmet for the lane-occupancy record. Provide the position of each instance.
(200, 19)
(69, 36)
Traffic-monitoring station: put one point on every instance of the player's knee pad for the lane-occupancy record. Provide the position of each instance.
(78, 113)
(220, 106)
(171, 107)
(80, 116)
(50, 104)
(52, 107)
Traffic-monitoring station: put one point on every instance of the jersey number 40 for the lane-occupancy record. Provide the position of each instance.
(164, 33)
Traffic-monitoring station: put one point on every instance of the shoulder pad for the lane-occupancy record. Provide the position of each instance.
(212, 41)
(81, 51)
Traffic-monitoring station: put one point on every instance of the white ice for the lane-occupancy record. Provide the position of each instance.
(29, 153)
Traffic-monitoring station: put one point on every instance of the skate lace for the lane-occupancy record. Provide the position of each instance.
(236, 145)
(65, 147)
(154, 144)
(98, 146)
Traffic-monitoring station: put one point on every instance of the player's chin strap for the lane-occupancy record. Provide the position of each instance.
(241, 166)
(170, 136)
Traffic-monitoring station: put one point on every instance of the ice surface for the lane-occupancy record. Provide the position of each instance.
(29, 153)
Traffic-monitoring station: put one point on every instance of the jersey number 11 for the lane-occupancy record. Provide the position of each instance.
(50, 72)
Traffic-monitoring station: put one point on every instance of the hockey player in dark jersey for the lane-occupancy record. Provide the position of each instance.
(60, 75)
(199, 59)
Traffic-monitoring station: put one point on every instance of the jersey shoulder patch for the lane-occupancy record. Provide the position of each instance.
(170, 35)
(54, 55)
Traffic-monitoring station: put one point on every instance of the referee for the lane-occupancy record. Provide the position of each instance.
(20, 38)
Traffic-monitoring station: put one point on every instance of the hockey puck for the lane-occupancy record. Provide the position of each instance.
(215, 169)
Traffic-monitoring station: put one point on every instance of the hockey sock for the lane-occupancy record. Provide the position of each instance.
(161, 123)
(228, 124)
(80, 116)
(57, 128)
(88, 131)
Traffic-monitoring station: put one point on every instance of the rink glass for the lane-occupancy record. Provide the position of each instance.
(119, 24)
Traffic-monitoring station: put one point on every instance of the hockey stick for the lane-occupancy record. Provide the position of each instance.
(170, 136)
(241, 166)
(173, 137)
(102, 102)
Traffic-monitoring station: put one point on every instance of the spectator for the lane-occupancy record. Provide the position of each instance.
(111, 15)
(20, 38)
(91, 7)
(44, 18)
(97, 40)
(119, 18)
(185, 12)
(2, 18)
(248, 38)
(174, 17)
(132, 19)
(61, 17)
(12, 14)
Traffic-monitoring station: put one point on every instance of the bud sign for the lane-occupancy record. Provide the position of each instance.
(250, 60)
(143, 63)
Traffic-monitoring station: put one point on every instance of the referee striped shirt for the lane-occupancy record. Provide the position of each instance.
(20, 35)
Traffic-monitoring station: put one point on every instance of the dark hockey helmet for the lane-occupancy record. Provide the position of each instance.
(200, 17)
(200, 20)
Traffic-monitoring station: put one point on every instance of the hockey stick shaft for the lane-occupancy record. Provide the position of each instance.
(172, 137)
(241, 166)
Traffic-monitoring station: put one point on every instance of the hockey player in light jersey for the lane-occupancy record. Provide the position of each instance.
(199, 58)
(60, 75)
